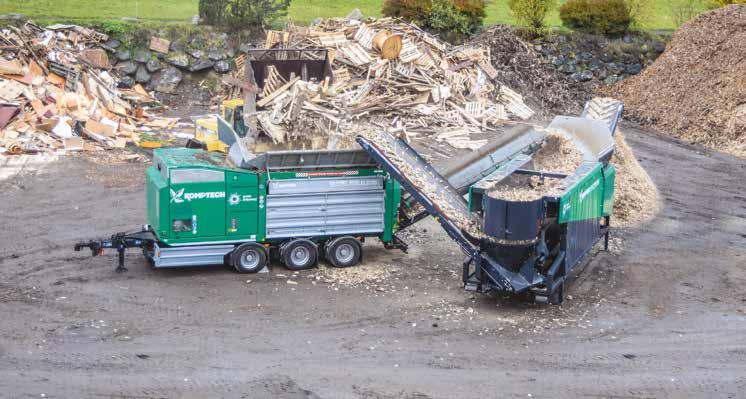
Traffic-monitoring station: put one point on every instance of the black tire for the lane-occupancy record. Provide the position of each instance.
(299, 255)
(249, 258)
(343, 252)
(148, 252)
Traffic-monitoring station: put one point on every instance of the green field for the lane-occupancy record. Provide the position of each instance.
(302, 11)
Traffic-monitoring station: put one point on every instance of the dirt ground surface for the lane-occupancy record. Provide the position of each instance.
(663, 317)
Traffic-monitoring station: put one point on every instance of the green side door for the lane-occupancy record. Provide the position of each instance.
(242, 209)
(197, 203)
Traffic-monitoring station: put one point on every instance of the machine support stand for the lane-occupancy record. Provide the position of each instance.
(120, 242)
(606, 241)
(120, 265)
(396, 243)
(606, 235)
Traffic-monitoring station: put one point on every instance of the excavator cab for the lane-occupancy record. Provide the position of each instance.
(206, 129)
(232, 112)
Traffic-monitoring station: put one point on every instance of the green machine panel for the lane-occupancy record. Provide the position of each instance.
(158, 202)
(198, 202)
(609, 177)
(242, 212)
(584, 200)
(393, 197)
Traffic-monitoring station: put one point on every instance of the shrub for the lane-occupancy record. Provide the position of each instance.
(531, 13)
(612, 17)
(238, 14)
(212, 12)
(445, 18)
(473, 11)
(452, 19)
(115, 28)
(449, 20)
(416, 11)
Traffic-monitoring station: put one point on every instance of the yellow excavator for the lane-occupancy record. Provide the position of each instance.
(206, 129)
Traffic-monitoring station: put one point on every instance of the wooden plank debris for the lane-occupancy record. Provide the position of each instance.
(96, 58)
(272, 81)
(409, 51)
(73, 144)
(99, 128)
(61, 91)
(364, 36)
(10, 68)
(426, 88)
(275, 38)
(514, 103)
(355, 53)
(267, 99)
(332, 39)
(341, 77)
(10, 89)
(159, 45)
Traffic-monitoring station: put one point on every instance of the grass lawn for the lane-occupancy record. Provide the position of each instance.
(302, 11)
(97, 10)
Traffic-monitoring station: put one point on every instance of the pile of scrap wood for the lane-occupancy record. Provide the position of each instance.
(386, 73)
(56, 89)
(525, 70)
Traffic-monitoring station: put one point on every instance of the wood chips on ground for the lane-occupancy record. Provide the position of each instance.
(362, 274)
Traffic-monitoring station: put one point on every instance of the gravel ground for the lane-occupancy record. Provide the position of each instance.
(662, 317)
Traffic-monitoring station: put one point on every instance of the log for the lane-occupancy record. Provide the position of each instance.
(388, 44)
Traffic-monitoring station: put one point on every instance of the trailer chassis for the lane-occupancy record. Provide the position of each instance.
(147, 240)
(144, 238)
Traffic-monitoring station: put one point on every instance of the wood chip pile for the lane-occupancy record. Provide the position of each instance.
(57, 94)
(636, 199)
(696, 90)
(558, 154)
(390, 74)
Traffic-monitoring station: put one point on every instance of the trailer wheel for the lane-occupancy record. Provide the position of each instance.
(148, 252)
(343, 252)
(299, 254)
(249, 258)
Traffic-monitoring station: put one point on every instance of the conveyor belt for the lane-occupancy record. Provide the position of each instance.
(423, 176)
(445, 203)
(604, 109)
(384, 148)
(484, 161)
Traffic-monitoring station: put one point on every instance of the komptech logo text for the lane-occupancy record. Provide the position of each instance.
(177, 197)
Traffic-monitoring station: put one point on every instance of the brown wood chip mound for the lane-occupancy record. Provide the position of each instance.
(526, 188)
(559, 155)
(636, 199)
(696, 90)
